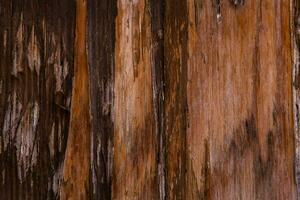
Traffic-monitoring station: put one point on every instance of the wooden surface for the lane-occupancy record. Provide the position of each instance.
(36, 71)
(240, 111)
(149, 99)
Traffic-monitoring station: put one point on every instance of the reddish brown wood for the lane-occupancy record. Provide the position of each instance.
(184, 99)
(76, 169)
(240, 136)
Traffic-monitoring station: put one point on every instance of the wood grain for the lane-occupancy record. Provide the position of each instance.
(175, 99)
(134, 164)
(149, 99)
(101, 45)
(240, 136)
(36, 79)
(76, 169)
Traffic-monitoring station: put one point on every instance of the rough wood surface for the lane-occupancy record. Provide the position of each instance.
(175, 99)
(76, 169)
(149, 99)
(101, 45)
(134, 164)
(240, 136)
(36, 71)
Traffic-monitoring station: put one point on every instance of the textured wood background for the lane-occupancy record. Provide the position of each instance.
(149, 99)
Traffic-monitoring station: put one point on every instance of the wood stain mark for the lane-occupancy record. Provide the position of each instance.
(206, 172)
(249, 142)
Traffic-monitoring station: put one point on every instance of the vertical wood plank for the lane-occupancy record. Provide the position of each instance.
(76, 169)
(158, 78)
(175, 99)
(239, 99)
(101, 55)
(135, 154)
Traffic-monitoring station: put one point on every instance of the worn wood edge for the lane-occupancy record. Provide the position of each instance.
(294, 27)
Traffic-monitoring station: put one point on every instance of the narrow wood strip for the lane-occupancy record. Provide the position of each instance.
(157, 28)
(101, 54)
(295, 36)
(175, 99)
(76, 169)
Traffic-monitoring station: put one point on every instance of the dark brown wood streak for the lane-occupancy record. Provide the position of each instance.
(36, 59)
(157, 27)
(175, 99)
(101, 54)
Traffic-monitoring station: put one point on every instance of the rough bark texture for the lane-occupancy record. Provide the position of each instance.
(36, 73)
(149, 99)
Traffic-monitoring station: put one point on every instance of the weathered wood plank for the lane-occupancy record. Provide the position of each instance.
(240, 136)
(184, 99)
(76, 170)
(135, 142)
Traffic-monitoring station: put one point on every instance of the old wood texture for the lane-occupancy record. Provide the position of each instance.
(240, 135)
(36, 71)
(149, 99)
(76, 169)
(101, 45)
